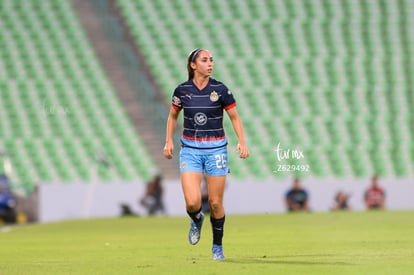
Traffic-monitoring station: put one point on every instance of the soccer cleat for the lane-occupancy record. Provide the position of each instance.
(195, 230)
(218, 252)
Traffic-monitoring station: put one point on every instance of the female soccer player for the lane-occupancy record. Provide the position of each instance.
(203, 143)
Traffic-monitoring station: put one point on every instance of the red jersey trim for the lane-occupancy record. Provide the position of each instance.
(228, 107)
(203, 139)
(175, 107)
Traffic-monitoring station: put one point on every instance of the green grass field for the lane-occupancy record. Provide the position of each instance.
(317, 243)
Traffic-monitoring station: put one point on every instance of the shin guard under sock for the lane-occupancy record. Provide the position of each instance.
(195, 216)
(218, 229)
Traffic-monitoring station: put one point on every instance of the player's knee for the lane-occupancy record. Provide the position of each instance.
(215, 206)
(193, 205)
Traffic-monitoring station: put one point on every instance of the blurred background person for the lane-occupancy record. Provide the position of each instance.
(297, 198)
(153, 197)
(7, 201)
(374, 196)
(341, 201)
(205, 204)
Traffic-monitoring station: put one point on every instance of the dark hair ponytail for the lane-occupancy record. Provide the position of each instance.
(191, 58)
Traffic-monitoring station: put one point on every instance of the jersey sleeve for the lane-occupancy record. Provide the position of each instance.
(176, 101)
(228, 100)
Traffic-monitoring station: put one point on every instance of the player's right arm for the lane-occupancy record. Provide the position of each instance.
(171, 125)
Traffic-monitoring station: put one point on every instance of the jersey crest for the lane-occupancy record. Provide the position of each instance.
(214, 96)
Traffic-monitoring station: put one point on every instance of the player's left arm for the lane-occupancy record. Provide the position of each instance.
(238, 129)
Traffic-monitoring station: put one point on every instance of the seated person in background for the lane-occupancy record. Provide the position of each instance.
(374, 196)
(205, 204)
(152, 199)
(341, 201)
(7, 201)
(297, 198)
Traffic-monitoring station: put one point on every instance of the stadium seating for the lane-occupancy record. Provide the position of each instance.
(331, 78)
(60, 116)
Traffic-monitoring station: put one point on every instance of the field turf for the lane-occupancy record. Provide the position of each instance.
(380, 242)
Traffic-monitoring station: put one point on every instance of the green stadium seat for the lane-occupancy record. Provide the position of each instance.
(308, 63)
(44, 79)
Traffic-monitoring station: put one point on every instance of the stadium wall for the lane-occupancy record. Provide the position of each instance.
(63, 201)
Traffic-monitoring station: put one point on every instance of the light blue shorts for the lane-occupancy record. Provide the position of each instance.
(212, 162)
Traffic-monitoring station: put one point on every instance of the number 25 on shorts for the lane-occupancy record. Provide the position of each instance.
(220, 161)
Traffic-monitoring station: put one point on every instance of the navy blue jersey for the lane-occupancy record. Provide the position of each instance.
(203, 112)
